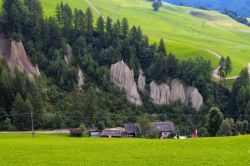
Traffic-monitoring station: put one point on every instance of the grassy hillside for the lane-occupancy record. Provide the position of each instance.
(187, 31)
(49, 6)
(63, 150)
(200, 29)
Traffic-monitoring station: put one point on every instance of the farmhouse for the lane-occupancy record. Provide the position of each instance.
(113, 132)
(131, 129)
(165, 128)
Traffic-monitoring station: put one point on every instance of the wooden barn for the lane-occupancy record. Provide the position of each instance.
(131, 129)
(113, 132)
(164, 128)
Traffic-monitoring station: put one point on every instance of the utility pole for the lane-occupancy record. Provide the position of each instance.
(32, 124)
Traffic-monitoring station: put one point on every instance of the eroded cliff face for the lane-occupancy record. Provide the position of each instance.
(15, 55)
(80, 78)
(164, 94)
(69, 55)
(177, 91)
(141, 82)
(194, 96)
(160, 93)
(123, 77)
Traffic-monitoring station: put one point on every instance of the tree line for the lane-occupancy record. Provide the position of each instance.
(95, 48)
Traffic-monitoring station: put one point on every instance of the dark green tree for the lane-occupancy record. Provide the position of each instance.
(157, 4)
(89, 20)
(125, 27)
(20, 116)
(214, 121)
(162, 48)
(228, 66)
(100, 25)
(109, 25)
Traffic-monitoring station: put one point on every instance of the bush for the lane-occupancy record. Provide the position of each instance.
(241, 126)
(85, 132)
(146, 128)
(226, 128)
(7, 125)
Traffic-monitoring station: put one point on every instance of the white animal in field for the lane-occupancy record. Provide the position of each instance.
(180, 137)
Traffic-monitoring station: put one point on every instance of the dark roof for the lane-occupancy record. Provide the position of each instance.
(164, 126)
(131, 128)
(111, 132)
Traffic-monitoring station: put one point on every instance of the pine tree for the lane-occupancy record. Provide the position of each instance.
(89, 20)
(228, 66)
(125, 27)
(19, 114)
(100, 25)
(13, 17)
(79, 20)
(162, 48)
(109, 25)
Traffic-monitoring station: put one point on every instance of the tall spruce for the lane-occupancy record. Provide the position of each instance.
(89, 20)
(125, 27)
(100, 25)
(162, 48)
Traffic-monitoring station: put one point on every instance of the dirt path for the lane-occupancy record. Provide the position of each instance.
(61, 131)
(94, 8)
(216, 71)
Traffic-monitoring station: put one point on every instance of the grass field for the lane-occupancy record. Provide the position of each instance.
(22, 149)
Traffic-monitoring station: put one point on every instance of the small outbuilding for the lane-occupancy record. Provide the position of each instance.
(164, 128)
(77, 132)
(131, 129)
(94, 133)
(113, 132)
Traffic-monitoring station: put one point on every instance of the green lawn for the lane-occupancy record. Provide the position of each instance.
(22, 149)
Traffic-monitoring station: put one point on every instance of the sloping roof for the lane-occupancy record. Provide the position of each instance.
(114, 132)
(164, 126)
(131, 128)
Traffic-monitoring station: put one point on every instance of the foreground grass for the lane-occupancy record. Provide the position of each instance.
(22, 149)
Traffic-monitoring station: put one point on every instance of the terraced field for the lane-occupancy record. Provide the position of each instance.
(23, 150)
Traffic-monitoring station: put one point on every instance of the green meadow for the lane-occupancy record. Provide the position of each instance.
(22, 149)
(188, 32)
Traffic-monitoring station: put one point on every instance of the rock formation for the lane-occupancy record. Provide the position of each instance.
(80, 78)
(163, 94)
(177, 91)
(68, 57)
(123, 77)
(160, 93)
(15, 55)
(141, 82)
(194, 96)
